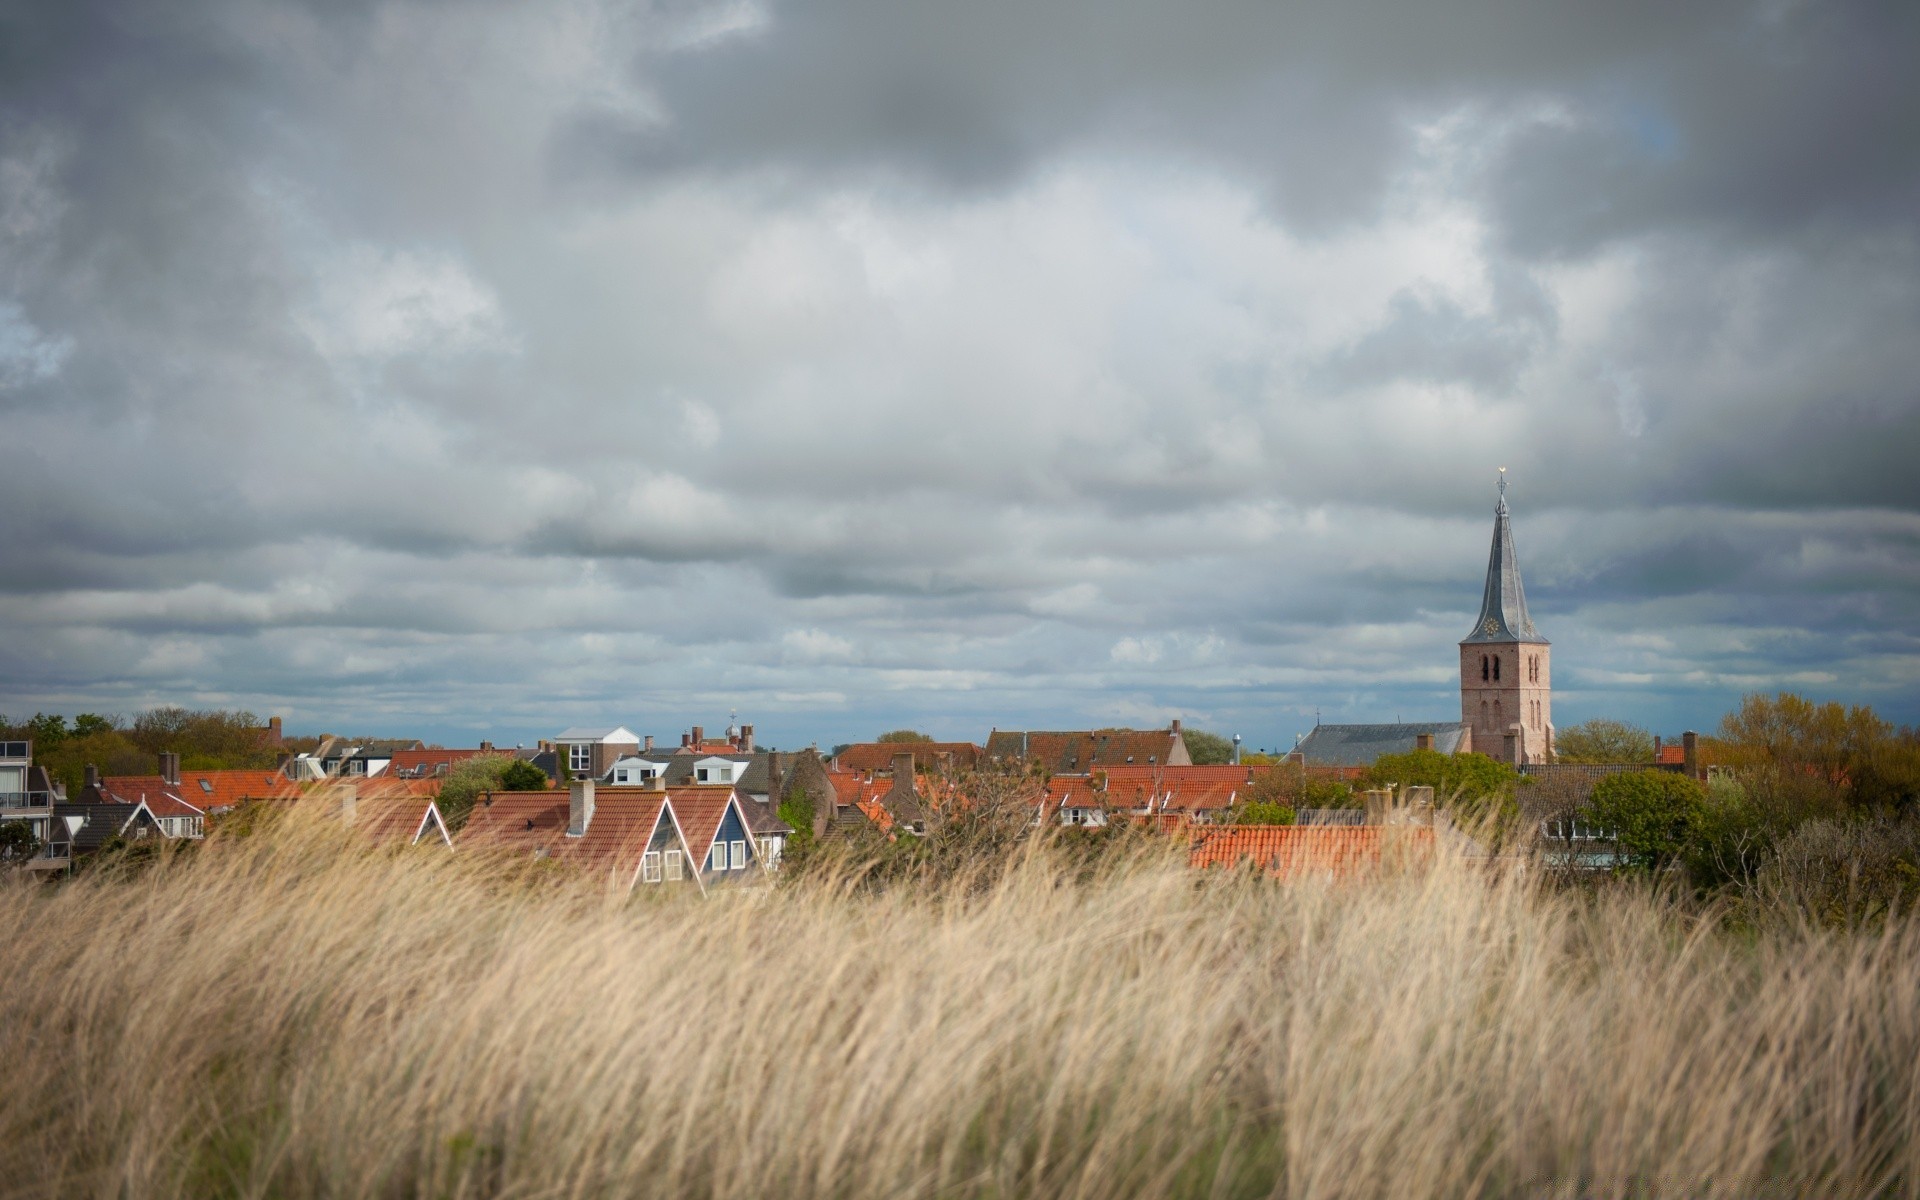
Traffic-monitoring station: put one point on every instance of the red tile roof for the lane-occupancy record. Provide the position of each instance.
(1190, 788)
(398, 817)
(535, 822)
(1295, 851)
(1080, 751)
(204, 791)
(1671, 754)
(699, 810)
(927, 756)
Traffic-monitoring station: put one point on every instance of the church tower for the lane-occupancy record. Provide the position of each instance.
(1506, 686)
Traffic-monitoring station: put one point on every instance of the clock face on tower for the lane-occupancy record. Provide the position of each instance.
(1491, 627)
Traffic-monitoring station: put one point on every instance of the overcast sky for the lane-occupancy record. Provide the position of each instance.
(475, 369)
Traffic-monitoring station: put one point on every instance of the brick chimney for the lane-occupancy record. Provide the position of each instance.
(170, 767)
(579, 807)
(648, 745)
(686, 739)
(903, 765)
(1423, 741)
(93, 777)
(699, 737)
(1176, 727)
(1690, 750)
(746, 737)
(275, 732)
(486, 747)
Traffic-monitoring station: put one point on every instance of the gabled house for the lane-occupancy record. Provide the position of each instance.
(77, 830)
(348, 758)
(717, 836)
(636, 837)
(1083, 752)
(589, 752)
(182, 800)
(401, 811)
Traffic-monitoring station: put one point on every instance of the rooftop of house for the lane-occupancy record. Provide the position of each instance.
(1192, 788)
(397, 817)
(204, 791)
(927, 756)
(613, 735)
(1309, 851)
(87, 827)
(1076, 752)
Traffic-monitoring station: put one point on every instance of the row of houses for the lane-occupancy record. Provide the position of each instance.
(626, 797)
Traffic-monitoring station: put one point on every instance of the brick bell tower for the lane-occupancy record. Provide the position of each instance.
(1506, 684)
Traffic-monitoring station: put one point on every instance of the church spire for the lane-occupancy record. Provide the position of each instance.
(1503, 609)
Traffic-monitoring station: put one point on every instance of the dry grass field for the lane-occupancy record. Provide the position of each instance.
(293, 1015)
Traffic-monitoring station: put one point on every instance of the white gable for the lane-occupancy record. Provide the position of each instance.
(718, 770)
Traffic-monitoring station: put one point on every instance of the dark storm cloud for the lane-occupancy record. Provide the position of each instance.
(865, 363)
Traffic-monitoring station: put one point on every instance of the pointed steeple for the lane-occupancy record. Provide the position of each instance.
(1503, 609)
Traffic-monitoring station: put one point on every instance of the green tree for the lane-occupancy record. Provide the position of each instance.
(1206, 749)
(1603, 741)
(902, 736)
(522, 776)
(47, 730)
(89, 724)
(17, 840)
(1654, 815)
(1290, 786)
(1466, 778)
(468, 778)
(1256, 813)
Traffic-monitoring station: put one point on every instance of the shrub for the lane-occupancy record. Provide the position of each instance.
(1257, 813)
(1654, 815)
(1845, 873)
(522, 776)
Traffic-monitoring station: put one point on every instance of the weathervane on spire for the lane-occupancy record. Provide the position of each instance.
(1503, 483)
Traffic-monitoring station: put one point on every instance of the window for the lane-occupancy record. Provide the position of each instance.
(739, 855)
(1496, 666)
(650, 866)
(717, 857)
(704, 775)
(1485, 671)
(579, 757)
(673, 865)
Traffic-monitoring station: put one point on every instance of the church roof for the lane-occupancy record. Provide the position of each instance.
(1503, 609)
(1360, 745)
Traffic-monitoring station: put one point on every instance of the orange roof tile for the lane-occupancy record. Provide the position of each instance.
(203, 791)
(699, 810)
(536, 822)
(1291, 851)
(398, 817)
(1190, 788)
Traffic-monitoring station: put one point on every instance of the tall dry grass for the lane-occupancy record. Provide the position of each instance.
(292, 1015)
